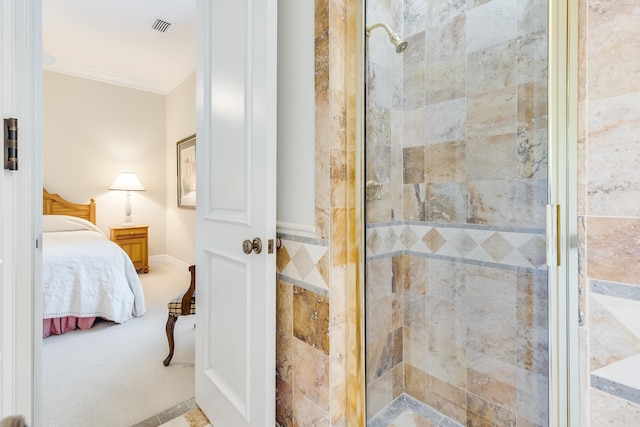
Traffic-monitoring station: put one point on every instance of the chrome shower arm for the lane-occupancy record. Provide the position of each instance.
(379, 25)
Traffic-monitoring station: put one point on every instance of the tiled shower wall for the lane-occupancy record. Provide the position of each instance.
(456, 167)
(609, 211)
(311, 382)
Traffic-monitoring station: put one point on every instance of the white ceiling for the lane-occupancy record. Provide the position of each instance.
(113, 41)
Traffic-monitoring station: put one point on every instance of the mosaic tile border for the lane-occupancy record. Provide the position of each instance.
(466, 226)
(613, 289)
(523, 249)
(403, 402)
(304, 262)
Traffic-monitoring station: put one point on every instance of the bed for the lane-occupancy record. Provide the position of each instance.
(84, 275)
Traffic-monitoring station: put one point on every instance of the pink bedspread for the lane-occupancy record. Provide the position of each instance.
(60, 325)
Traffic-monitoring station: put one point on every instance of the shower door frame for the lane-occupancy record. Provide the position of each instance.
(564, 382)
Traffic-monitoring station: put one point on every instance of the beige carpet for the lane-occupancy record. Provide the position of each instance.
(112, 375)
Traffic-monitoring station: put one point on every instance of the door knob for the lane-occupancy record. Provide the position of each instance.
(248, 246)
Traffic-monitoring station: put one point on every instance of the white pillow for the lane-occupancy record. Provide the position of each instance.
(66, 223)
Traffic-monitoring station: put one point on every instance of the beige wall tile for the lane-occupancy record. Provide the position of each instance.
(492, 113)
(613, 249)
(490, 301)
(414, 382)
(284, 330)
(284, 403)
(414, 165)
(311, 374)
(307, 413)
(491, 157)
(613, 177)
(585, 376)
(445, 79)
(532, 398)
(379, 394)
(481, 412)
(610, 410)
(446, 398)
(492, 202)
(613, 44)
(446, 121)
(532, 324)
(446, 162)
(492, 379)
(532, 65)
(491, 68)
(311, 319)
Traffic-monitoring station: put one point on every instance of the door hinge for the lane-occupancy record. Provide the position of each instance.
(11, 144)
(553, 235)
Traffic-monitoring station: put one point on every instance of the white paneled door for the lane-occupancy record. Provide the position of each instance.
(236, 177)
(20, 212)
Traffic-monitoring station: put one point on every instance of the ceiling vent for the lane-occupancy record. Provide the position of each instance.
(162, 26)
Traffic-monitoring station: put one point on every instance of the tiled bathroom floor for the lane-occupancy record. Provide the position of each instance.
(194, 418)
(405, 411)
(186, 414)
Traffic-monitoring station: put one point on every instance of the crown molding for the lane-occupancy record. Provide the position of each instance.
(87, 72)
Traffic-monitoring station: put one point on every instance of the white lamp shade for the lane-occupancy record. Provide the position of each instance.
(127, 181)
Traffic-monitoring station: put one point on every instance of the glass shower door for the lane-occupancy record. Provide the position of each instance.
(456, 189)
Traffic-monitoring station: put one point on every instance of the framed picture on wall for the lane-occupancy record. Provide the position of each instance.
(187, 172)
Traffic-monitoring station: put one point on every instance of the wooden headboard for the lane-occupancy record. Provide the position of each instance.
(53, 204)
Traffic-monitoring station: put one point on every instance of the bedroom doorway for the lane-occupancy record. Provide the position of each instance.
(21, 346)
(122, 143)
(227, 382)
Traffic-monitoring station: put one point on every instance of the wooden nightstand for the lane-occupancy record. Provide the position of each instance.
(134, 241)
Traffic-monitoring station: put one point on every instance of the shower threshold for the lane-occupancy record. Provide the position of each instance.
(405, 411)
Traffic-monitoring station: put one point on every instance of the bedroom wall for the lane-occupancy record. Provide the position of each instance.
(180, 123)
(91, 132)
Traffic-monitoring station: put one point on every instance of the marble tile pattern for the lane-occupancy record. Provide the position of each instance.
(311, 319)
(479, 94)
(474, 339)
(304, 261)
(303, 378)
(607, 409)
(609, 216)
